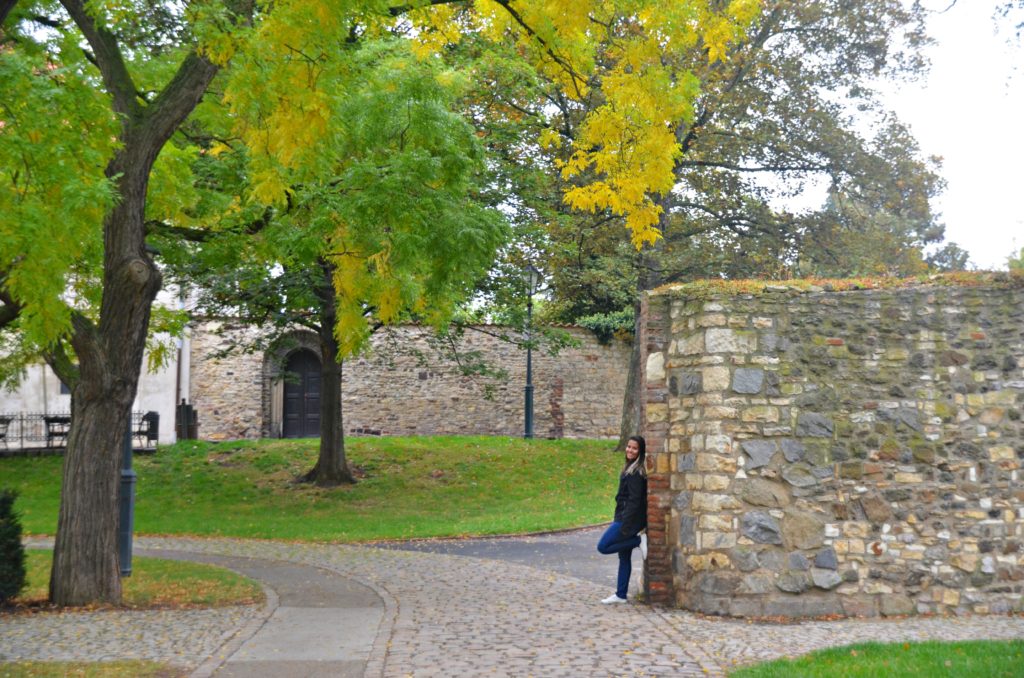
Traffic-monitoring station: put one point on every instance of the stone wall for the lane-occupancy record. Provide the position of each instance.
(819, 452)
(402, 388)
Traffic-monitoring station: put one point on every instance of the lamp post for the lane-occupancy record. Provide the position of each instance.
(532, 277)
(126, 523)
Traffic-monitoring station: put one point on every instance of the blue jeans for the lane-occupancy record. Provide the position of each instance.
(612, 541)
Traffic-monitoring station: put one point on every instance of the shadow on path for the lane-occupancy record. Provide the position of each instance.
(573, 553)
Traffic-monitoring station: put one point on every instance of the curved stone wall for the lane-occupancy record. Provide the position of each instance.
(820, 453)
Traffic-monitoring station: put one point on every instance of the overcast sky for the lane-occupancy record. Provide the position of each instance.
(970, 111)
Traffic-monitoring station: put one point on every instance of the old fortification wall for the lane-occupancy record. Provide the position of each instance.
(824, 452)
(401, 387)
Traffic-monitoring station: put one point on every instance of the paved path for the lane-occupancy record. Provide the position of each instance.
(394, 612)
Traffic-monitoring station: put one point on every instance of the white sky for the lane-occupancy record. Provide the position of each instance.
(970, 111)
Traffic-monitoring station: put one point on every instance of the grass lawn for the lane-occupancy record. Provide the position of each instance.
(124, 669)
(155, 582)
(409, 487)
(981, 659)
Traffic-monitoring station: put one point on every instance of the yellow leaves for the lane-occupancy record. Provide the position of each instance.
(217, 148)
(549, 138)
(269, 187)
(626, 149)
(435, 27)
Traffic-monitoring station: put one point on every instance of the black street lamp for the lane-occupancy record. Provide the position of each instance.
(532, 277)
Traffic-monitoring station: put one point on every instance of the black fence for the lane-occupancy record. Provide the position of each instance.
(26, 431)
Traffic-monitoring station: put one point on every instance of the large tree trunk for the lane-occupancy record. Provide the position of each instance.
(331, 467)
(85, 568)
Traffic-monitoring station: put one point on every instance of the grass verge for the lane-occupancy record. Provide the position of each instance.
(409, 487)
(123, 669)
(155, 582)
(981, 659)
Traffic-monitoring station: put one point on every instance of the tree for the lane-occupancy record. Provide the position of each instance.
(95, 343)
(1016, 263)
(789, 113)
(370, 236)
(123, 76)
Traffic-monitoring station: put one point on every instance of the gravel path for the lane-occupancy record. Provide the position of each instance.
(465, 615)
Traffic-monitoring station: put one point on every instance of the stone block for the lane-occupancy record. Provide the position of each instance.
(798, 561)
(685, 383)
(859, 606)
(747, 380)
(715, 378)
(802, 529)
(655, 367)
(714, 503)
(826, 558)
(799, 475)
(744, 558)
(746, 607)
(718, 523)
(687, 530)
(814, 425)
(657, 412)
(718, 583)
(773, 559)
(760, 527)
(720, 340)
(761, 413)
(715, 463)
(802, 606)
(717, 540)
(793, 581)
(759, 451)
(1001, 453)
(691, 345)
(876, 508)
(707, 561)
(763, 492)
(758, 584)
(793, 450)
(825, 579)
(686, 462)
(716, 483)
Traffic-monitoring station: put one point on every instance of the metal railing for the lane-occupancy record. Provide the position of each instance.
(49, 431)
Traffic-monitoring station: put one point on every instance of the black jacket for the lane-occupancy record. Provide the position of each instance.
(631, 503)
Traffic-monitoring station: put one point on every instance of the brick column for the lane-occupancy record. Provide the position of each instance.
(654, 328)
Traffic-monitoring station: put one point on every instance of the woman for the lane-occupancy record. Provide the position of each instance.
(630, 517)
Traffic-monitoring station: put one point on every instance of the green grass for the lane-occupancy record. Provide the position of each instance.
(122, 669)
(933, 659)
(410, 487)
(156, 582)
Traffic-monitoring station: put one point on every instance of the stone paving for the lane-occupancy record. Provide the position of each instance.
(455, 615)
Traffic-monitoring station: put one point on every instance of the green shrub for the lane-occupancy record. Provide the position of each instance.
(12, 553)
(607, 326)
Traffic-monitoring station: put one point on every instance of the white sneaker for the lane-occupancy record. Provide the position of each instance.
(643, 546)
(612, 599)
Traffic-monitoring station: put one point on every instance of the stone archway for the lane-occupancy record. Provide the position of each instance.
(275, 366)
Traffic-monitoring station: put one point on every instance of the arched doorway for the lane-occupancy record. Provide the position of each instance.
(302, 395)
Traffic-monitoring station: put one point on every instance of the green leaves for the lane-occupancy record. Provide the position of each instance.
(56, 136)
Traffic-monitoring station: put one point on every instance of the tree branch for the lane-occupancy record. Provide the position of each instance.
(109, 60)
(5, 8)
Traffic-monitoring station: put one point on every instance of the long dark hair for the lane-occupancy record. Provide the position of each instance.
(636, 466)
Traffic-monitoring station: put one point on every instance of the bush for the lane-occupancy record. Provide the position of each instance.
(607, 326)
(12, 553)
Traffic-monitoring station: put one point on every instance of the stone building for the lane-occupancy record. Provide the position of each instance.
(850, 452)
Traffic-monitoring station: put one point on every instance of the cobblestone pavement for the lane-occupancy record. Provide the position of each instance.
(455, 615)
